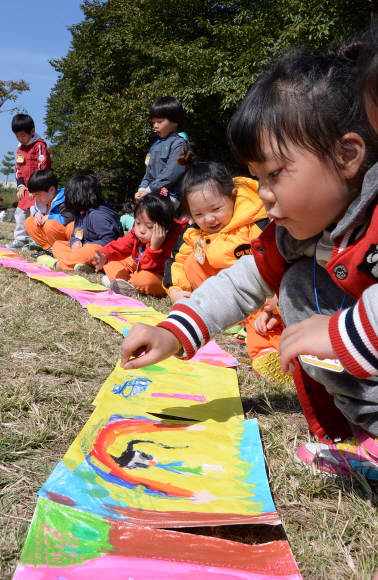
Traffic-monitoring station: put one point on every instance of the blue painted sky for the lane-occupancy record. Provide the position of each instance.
(32, 33)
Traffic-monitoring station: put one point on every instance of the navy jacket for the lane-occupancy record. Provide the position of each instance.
(162, 167)
(100, 225)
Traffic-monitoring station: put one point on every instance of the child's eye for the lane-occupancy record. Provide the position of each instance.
(275, 173)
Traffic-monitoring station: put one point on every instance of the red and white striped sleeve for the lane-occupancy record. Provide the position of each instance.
(354, 335)
(189, 328)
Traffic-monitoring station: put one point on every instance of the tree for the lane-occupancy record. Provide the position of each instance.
(10, 90)
(127, 53)
(7, 165)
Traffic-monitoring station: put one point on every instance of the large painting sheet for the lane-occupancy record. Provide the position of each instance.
(66, 543)
(106, 298)
(180, 388)
(133, 466)
(122, 319)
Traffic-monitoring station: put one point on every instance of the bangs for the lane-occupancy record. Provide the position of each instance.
(302, 102)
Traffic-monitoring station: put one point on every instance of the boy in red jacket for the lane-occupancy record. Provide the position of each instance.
(32, 154)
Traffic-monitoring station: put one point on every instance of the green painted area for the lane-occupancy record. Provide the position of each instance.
(62, 536)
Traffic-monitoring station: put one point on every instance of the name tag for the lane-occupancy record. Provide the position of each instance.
(333, 365)
(78, 233)
(199, 252)
(20, 159)
(147, 160)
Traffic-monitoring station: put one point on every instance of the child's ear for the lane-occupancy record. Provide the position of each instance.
(52, 191)
(352, 154)
(234, 192)
(32, 132)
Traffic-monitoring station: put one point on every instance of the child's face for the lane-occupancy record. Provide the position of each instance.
(164, 127)
(45, 196)
(210, 210)
(305, 195)
(24, 137)
(143, 227)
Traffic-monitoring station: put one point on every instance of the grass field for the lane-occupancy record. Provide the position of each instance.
(54, 359)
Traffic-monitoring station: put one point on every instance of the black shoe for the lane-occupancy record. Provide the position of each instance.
(43, 253)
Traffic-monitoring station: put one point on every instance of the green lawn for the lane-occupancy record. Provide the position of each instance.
(55, 357)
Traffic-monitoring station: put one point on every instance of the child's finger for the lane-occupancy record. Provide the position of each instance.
(157, 343)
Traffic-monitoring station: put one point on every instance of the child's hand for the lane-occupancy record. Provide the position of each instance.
(311, 336)
(140, 193)
(38, 218)
(31, 195)
(44, 219)
(21, 191)
(261, 323)
(99, 260)
(76, 246)
(157, 344)
(176, 294)
(158, 236)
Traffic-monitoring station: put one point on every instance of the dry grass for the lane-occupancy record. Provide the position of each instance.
(54, 359)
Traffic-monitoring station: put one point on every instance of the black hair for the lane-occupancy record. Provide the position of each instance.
(168, 108)
(305, 100)
(367, 65)
(42, 180)
(22, 122)
(200, 174)
(127, 207)
(159, 209)
(83, 192)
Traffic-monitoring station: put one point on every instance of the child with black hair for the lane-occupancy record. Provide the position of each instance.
(303, 136)
(32, 154)
(136, 262)
(95, 225)
(163, 172)
(127, 216)
(227, 215)
(49, 220)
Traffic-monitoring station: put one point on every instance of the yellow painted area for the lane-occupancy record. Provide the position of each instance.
(179, 380)
(69, 282)
(122, 316)
(210, 447)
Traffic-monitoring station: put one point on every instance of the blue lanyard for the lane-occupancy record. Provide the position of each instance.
(315, 289)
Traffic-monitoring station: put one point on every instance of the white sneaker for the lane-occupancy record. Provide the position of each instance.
(84, 268)
(123, 287)
(105, 281)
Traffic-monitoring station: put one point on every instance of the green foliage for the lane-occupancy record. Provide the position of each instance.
(7, 164)
(10, 90)
(127, 53)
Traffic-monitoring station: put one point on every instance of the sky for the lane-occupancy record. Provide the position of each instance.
(32, 33)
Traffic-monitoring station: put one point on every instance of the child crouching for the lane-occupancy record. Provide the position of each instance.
(136, 262)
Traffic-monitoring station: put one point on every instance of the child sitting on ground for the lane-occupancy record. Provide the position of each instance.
(49, 220)
(95, 225)
(163, 171)
(32, 154)
(227, 215)
(127, 217)
(136, 262)
(301, 133)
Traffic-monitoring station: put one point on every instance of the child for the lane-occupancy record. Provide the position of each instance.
(163, 171)
(50, 220)
(301, 133)
(136, 262)
(127, 217)
(227, 215)
(32, 154)
(95, 225)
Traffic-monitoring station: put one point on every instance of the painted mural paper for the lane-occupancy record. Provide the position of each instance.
(66, 543)
(133, 466)
(179, 388)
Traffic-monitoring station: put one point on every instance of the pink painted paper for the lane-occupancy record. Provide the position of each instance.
(212, 354)
(106, 298)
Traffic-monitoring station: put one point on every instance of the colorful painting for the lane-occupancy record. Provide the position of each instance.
(133, 466)
(122, 319)
(66, 543)
(177, 388)
(106, 298)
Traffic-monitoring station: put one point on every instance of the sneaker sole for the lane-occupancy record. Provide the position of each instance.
(268, 366)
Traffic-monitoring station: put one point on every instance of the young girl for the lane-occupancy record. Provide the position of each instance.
(302, 135)
(127, 217)
(95, 225)
(136, 262)
(228, 214)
